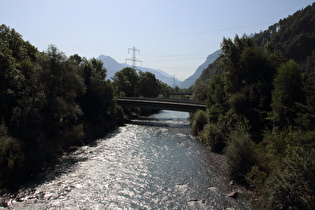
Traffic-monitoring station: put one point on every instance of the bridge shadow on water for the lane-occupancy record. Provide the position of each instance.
(166, 122)
(174, 119)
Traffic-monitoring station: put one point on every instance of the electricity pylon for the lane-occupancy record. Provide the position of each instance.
(134, 58)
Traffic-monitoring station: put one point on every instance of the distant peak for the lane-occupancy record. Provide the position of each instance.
(104, 56)
(106, 59)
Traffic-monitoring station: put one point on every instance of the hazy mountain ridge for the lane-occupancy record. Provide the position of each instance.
(192, 79)
(112, 66)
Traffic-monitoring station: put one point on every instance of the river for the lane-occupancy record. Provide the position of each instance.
(152, 163)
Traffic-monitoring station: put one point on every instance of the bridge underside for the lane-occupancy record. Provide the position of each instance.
(161, 104)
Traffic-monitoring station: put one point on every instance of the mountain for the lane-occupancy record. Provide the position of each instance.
(192, 79)
(112, 66)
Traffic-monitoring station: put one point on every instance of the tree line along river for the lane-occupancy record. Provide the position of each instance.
(151, 163)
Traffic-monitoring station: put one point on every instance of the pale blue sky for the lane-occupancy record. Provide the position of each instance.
(175, 36)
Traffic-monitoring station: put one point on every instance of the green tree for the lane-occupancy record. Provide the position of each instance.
(148, 85)
(165, 89)
(199, 120)
(306, 115)
(16, 56)
(240, 153)
(247, 77)
(12, 160)
(200, 91)
(286, 94)
(47, 103)
(97, 103)
(294, 36)
(216, 100)
(292, 187)
(125, 82)
(63, 85)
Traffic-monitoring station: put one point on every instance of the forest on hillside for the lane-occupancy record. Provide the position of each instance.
(261, 111)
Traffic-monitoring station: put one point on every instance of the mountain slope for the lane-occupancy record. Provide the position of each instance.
(192, 79)
(293, 37)
(112, 66)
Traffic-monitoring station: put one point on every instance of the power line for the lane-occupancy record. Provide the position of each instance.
(170, 36)
(179, 59)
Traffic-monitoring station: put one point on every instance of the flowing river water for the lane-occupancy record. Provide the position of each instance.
(152, 163)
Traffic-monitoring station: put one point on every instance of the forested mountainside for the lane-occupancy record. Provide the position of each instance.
(293, 37)
(187, 83)
(260, 112)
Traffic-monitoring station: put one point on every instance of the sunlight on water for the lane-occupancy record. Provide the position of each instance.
(153, 163)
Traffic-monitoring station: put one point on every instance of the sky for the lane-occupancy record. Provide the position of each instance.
(175, 36)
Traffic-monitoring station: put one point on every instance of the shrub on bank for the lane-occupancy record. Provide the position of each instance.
(12, 159)
(200, 119)
(240, 154)
(213, 136)
(293, 187)
(73, 136)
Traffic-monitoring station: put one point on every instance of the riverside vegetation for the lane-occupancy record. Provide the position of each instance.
(261, 111)
(260, 95)
(50, 102)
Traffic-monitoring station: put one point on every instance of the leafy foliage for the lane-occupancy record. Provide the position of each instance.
(240, 153)
(213, 135)
(129, 83)
(199, 120)
(200, 91)
(48, 103)
(286, 94)
(126, 81)
(211, 70)
(12, 159)
(261, 110)
(294, 186)
(294, 36)
(148, 85)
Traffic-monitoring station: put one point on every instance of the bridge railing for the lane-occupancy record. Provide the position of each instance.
(162, 103)
(181, 94)
(165, 99)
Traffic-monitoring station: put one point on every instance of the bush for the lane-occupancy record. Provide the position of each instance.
(240, 154)
(214, 136)
(256, 177)
(200, 119)
(294, 186)
(273, 147)
(11, 160)
(73, 136)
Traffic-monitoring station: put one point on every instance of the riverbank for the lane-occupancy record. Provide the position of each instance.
(218, 160)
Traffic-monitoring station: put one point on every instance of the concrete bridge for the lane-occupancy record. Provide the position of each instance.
(162, 104)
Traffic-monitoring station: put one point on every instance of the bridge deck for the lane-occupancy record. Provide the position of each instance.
(162, 104)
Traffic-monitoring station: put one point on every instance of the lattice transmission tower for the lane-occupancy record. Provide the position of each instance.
(134, 57)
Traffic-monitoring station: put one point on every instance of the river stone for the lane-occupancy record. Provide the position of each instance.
(214, 189)
(232, 194)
